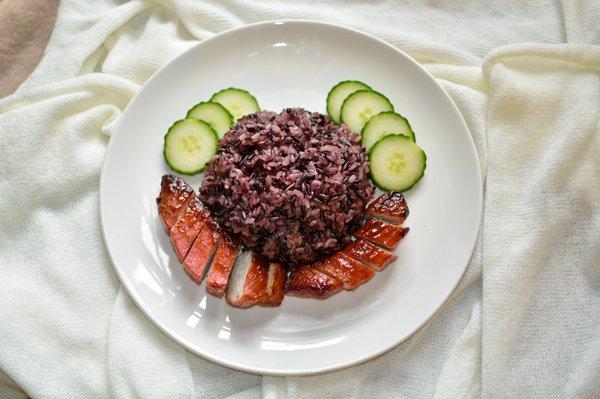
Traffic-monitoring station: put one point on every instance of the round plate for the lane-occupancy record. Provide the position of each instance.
(284, 64)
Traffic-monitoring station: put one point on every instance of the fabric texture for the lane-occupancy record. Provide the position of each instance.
(524, 320)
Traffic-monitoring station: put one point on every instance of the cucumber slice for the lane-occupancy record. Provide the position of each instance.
(397, 163)
(381, 125)
(237, 101)
(337, 95)
(189, 145)
(360, 106)
(214, 114)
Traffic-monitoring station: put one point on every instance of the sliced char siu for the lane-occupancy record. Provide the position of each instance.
(187, 227)
(275, 290)
(201, 253)
(248, 281)
(390, 207)
(369, 254)
(218, 275)
(347, 270)
(306, 282)
(175, 195)
(381, 233)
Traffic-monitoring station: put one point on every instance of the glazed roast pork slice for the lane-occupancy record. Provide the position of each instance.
(347, 270)
(225, 256)
(369, 254)
(175, 195)
(187, 227)
(381, 233)
(201, 253)
(275, 289)
(248, 280)
(306, 282)
(390, 207)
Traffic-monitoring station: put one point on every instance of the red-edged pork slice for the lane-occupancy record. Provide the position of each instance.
(390, 207)
(349, 271)
(201, 254)
(275, 285)
(306, 282)
(175, 195)
(248, 281)
(187, 228)
(369, 254)
(381, 233)
(218, 275)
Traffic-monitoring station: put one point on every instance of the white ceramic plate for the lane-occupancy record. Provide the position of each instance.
(292, 63)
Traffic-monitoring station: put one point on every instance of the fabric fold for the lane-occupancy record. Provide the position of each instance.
(541, 266)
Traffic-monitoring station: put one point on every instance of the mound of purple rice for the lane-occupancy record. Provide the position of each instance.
(293, 186)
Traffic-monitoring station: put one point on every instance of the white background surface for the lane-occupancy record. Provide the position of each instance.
(522, 323)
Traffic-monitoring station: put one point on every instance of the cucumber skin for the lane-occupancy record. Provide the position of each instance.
(187, 115)
(175, 169)
(331, 91)
(413, 138)
(381, 187)
(212, 98)
(360, 91)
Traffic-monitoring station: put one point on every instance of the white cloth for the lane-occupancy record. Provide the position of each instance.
(524, 321)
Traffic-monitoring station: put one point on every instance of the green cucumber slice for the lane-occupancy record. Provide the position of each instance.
(360, 106)
(237, 101)
(189, 145)
(337, 95)
(383, 124)
(214, 114)
(396, 163)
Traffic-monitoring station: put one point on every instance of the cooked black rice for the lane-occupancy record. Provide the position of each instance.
(293, 186)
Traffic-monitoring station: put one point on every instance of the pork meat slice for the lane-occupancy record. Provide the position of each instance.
(369, 254)
(275, 290)
(390, 207)
(201, 253)
(218, 275)
(381, 233)
(175, 195)
(248, 280)
(349, 271)
(187, 227)
(306, 282)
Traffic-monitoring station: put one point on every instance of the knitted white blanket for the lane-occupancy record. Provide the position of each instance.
(524, 321)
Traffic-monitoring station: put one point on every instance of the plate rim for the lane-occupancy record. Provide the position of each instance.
(169, 332)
